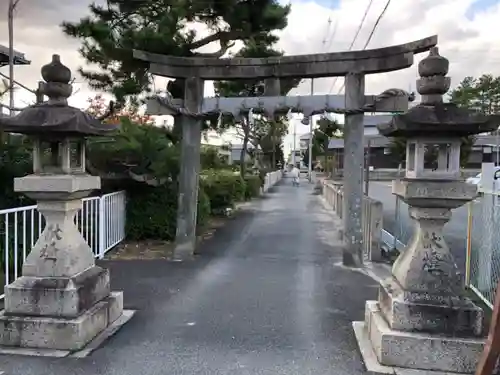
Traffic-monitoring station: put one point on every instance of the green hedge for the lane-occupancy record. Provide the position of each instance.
(253, 184)
(224, 188)
(152, 211)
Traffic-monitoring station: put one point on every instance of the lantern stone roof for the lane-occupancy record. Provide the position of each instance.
(441, 120)
(55, 117)
(432, 117)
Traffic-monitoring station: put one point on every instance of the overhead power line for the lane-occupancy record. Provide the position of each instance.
(376, 23)
(332, 36)
(325, 37)
(381, 15)
(360, 26)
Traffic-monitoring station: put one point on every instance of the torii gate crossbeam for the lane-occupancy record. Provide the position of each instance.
(336, 64)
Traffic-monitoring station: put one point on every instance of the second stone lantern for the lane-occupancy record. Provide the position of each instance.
(422, 319)
(63, 300)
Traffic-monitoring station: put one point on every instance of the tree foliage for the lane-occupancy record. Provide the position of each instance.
(141, 153)
(112, 31)
(479, 94)
(270, 141)
(326, 129)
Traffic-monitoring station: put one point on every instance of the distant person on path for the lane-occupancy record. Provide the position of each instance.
(295, 174)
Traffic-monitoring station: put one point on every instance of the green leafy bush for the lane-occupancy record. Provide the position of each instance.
(152, 211)
(15, 161)
(210, 158)
(253, 184)
(224, 188)
(204, 208)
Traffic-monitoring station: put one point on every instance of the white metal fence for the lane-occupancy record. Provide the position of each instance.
(271, 179)
(396, 234)
(101, 222)
(483, 246)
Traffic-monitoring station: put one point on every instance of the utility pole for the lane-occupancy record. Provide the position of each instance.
(310, 137)
(497, 159)
(273, 141)
(367, 167)
(12, 6)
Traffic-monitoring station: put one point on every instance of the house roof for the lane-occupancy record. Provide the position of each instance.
(19, 58)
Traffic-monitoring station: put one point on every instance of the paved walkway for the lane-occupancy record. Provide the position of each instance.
(264, 298)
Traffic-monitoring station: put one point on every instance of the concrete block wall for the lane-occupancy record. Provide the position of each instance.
(372, 218)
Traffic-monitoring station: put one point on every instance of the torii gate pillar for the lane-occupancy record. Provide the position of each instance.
(187, 209)
(353, 171)
(353, 64)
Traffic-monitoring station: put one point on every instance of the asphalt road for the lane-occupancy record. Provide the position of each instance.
(265, 297)
(455, 230)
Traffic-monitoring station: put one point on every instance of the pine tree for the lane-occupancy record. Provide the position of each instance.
(111, 32)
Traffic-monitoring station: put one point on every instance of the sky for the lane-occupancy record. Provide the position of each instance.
(467, 33)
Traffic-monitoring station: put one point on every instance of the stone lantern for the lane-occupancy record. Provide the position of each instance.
(63, 300)
(422, 319)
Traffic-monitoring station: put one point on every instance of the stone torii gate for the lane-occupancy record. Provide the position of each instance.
(354, 65)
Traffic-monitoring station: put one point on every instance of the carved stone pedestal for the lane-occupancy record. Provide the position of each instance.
(422, 320)
(413, 312)
(63, 300)
(419, 350)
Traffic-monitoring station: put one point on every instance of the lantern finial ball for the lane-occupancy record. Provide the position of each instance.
(433, 82)
(57, 79)
(55, 71)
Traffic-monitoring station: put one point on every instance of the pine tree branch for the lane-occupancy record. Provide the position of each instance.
(223, 36)
(221, 52)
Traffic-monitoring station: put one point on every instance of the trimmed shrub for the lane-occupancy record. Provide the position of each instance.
(152, 211)
(223, 188)
(204, 208)
(253, 184)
